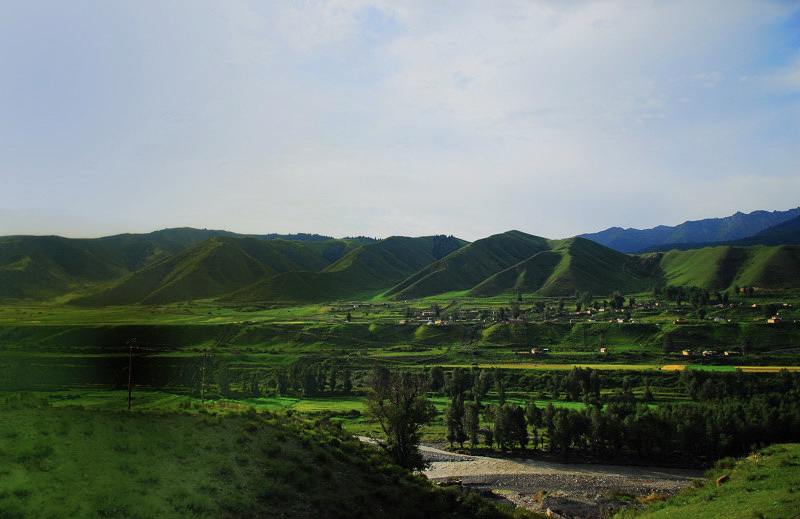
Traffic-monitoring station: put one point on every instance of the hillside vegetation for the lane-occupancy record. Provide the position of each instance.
(143, 269)
(764, 484)
(222, 462)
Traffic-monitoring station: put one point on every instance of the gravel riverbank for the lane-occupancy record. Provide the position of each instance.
(567, 490)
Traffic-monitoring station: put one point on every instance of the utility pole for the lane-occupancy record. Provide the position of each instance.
(203, 383)
(131, 344)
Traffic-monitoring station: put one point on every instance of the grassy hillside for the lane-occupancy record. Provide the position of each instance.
(212, 268)
(720, 268)
(221, 462)
(43, 267)
(765, 484)
(525, 277)
(591, 267)
(572, 265)
(367, 270)
(47, 266)
(470, 265)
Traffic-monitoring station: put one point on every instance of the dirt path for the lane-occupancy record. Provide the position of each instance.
(567, 490)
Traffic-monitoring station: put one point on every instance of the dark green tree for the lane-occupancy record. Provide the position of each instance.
(454, 421)
(397, 402)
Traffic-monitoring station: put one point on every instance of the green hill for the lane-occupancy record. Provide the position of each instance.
(764, 484)
(591, 267)
(566, 267)
(171, 265)
(720, 268)
(369, 269)
(527, 276)
(215, 462)
(470, 265)
(48, 266)
(212, 268)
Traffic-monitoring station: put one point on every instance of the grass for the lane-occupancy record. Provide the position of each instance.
(763, 485)
(228, 461)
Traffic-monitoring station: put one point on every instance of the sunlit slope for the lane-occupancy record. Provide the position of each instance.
(525, 277)
(764, 484)
(367, 269)
(572, 265)
(43, 267)
(215, 267)
(720, 268)
(588, 266)
(470, 265)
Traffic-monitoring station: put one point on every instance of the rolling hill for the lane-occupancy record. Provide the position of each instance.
(470, 265)
(555, 268)
(213, 268)
(368, 269)
(176, 265)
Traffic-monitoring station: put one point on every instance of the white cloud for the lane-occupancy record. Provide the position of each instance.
(376, 117)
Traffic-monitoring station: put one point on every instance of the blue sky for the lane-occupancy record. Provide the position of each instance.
(395, 118)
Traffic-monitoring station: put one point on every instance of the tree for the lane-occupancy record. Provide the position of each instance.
(222, 376)
(472, 421)
(398, 403)
(454, 420)
(333, 378)
(436, 378)
(533, 416)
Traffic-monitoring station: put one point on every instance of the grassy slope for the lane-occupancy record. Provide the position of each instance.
(721, 267)
(214, 267)
(41, 267)
(571, 265)
(526, 277)
(69, 462)
(765, 484)
(589, 266)
(46, 266)
(369, 268)
(470, 265)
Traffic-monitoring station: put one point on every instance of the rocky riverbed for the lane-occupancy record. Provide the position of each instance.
(566, 490)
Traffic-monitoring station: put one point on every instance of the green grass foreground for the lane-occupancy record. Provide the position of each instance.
(764, 485)
(219, 462)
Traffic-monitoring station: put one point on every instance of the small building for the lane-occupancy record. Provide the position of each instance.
(603, 350)
(687, 353)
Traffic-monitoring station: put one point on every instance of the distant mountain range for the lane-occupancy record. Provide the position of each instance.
(694, 234)
(184, 264)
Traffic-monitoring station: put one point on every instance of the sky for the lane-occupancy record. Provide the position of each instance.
(373, 118)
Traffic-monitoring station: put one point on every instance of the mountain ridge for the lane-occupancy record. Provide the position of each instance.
(735, 227)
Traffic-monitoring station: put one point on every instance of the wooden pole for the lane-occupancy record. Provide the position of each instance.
(131, 342)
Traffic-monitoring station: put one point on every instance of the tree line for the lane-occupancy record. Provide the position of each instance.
(727, 414)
